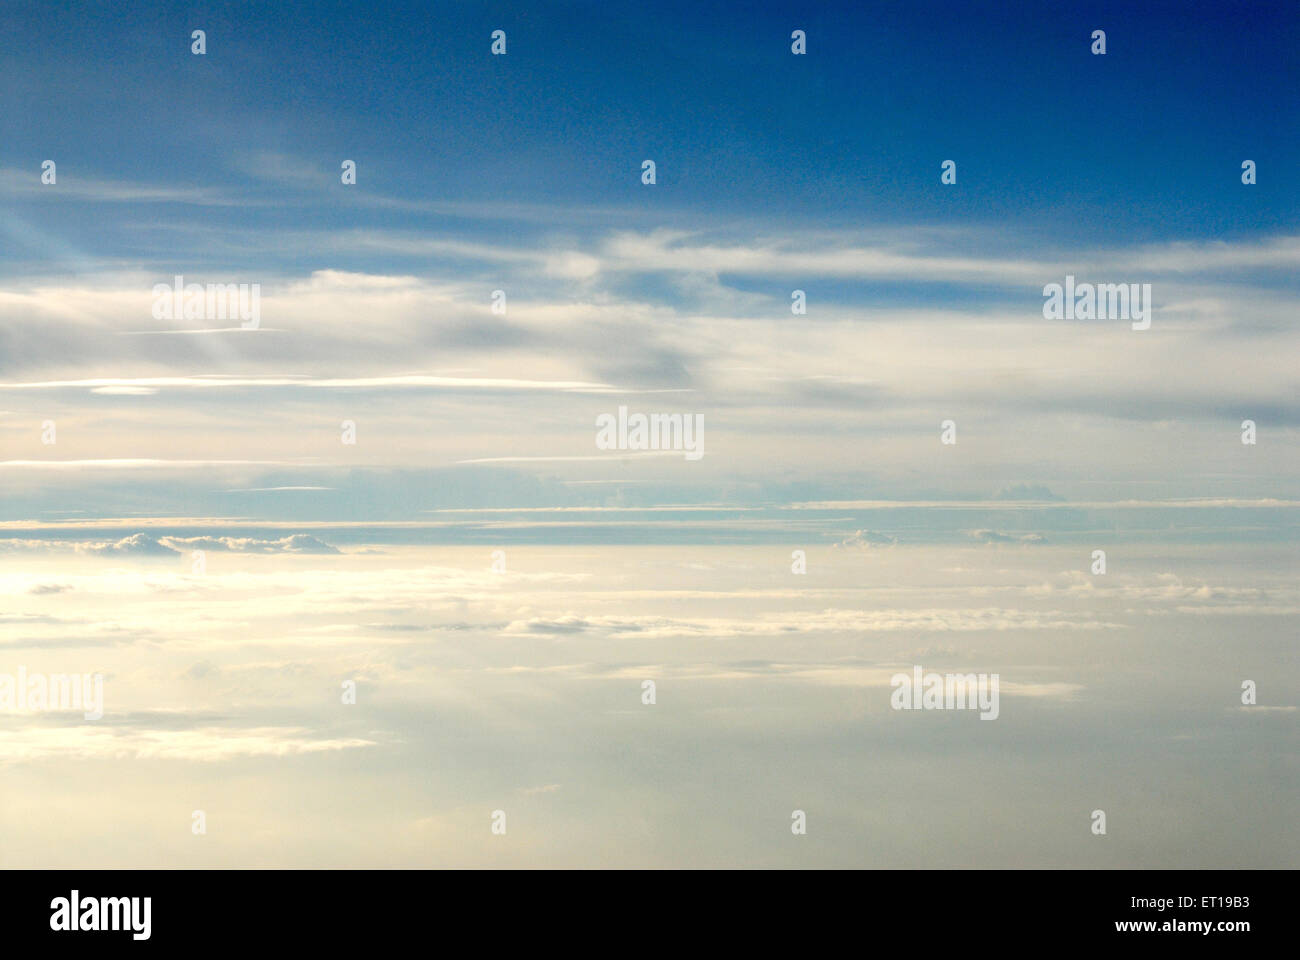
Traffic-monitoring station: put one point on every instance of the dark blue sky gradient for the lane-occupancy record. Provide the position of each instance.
(1142, 144)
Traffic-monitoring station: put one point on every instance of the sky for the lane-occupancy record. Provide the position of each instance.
(231, 522)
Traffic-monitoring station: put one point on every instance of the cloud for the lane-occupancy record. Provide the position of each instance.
(19, 185)
(840, 256)
(295, 543)
(863, 539)
(217, 382)
(146, 545)
(996, 536)
(202, 745)
(138, 544)
(934, 619)
(130, 464)
(43, 589)
(1021, 491)
(849, 672)
(591, 317)
(1258, 708)
(557, 627)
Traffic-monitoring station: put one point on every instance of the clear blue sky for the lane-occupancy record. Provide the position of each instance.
(1140, 144)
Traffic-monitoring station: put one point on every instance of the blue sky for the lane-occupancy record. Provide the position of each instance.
(183, 508)
(1069, 147)
(775, 172)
